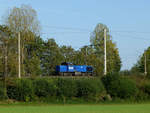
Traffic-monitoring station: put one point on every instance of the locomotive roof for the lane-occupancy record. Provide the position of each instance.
(66, 63)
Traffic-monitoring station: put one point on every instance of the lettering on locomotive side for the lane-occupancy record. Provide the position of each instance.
(70, 67)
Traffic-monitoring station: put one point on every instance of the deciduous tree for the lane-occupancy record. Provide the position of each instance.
(113, 58)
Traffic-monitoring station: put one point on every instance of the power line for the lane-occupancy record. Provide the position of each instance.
(84, 31)
(77, 33)
(68, 28)
(133, 37)
(89, 30)
(66, 33)
(142, 32)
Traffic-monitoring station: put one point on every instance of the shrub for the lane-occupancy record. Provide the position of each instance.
(141, 95)
(3, 90)
(26, 90)
(127, 88)
(90, 88)
(120, 87)
(21, 90)
(111, 83)
(147, 88)
(12, 89)
(67, 87)
(44, 87)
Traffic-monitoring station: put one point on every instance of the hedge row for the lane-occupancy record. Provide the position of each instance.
(127, 88)
(120, 87)
(94, 89)
(3, 94)
(60, 88)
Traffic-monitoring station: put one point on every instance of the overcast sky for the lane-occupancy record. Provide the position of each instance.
(70, 22)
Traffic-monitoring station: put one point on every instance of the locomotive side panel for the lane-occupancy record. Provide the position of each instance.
(69, 69)
(61, 68)
(80, 68)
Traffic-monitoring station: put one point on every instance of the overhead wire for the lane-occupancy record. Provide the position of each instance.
(68, 28)
(141, 32)
(131, 36)
(73, 30)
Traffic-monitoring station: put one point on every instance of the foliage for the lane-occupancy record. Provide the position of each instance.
(32, 61)
(120, 87)
(39, 57)
(50, 57)
(66, 87)
(142, 96)
(127, 89)
(68, 53)
(12, 90)
(3, 90)
(139, 67)
(44, 87)
(90, 88)
(76, 89)
(22, 18)
(125, 72)
(113, 58)
(21, 90)
(7, 48)
(146, 88)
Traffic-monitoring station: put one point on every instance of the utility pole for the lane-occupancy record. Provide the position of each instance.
(6, 58)
(19, 70)
(86, 54)
(145, 64)
(105, 59)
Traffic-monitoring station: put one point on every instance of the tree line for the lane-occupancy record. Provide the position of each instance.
(39, 57)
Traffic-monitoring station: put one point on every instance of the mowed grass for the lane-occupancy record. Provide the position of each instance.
(130, 108)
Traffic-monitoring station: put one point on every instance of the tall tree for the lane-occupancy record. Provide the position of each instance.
(7, 51)
(32, 57)
(51, 56)
(23, 20)
(139, 67)
(113, 58)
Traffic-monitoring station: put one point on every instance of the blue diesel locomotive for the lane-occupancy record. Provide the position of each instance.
(69, 69)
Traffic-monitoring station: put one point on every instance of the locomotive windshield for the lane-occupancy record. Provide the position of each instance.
(89, 68)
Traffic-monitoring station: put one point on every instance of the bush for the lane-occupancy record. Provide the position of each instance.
(21, 90)
(147, 88)
(90, 88)
(127, 88)
(67, 87)
(120, 87)
(111, 83)
(12, 90)
(45, 87)
(3, 90)
(72, 89)
(141, 96)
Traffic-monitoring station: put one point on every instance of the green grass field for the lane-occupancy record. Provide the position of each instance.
(128, 108)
